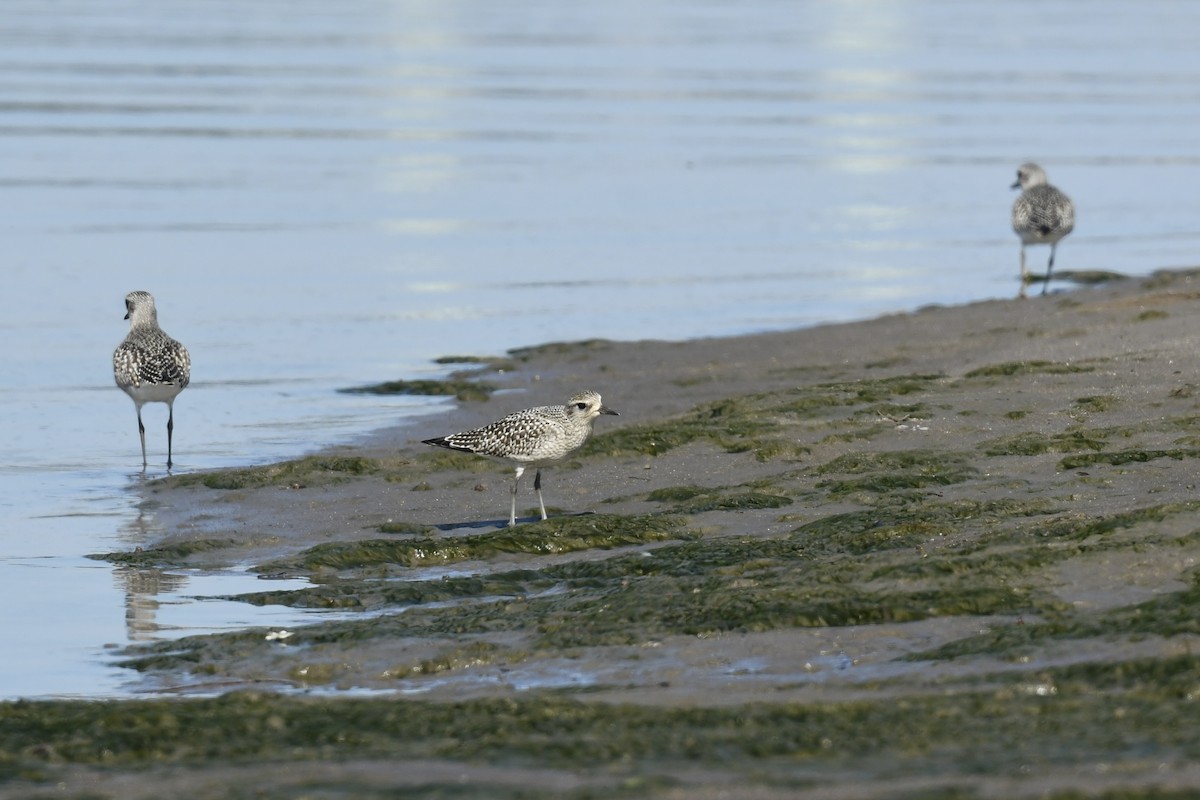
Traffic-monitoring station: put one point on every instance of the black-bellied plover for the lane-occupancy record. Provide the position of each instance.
(150, 366)
(1041, 215)
(534, 437)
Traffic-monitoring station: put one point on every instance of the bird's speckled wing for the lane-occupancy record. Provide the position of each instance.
(152, 361)
(541, 434)
(1043, 211)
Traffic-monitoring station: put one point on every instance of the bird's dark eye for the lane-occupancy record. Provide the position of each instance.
(581, 406)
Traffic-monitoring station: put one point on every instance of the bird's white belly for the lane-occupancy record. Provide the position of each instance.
(1036, 237)
(153, 392)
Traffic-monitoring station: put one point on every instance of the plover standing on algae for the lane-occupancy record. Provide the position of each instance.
(1041, 215)
(534, 437)
(150, 366)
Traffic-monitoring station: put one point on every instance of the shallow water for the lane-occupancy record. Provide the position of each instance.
(323, 195)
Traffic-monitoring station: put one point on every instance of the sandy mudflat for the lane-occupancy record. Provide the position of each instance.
(986, 513)
(1133, 343)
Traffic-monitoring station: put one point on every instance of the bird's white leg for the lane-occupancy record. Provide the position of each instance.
(1024, 271)
(142, 435)
(512, 514)
(537, 485)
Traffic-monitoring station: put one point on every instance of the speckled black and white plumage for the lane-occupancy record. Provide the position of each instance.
(1041, 215)
(149, 365)
(534, 437)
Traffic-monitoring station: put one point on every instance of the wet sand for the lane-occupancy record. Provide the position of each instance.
(993, 501)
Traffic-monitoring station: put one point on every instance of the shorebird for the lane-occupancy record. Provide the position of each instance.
(534, 437)
(1041, 215)
(150, 366)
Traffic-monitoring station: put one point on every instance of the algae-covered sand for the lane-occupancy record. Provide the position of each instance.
(950, 553)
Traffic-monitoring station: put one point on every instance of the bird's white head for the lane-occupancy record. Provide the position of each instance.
(587, 406)
(139, 309)
(1029, 175)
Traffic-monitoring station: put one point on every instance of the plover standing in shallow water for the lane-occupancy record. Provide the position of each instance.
(150, 366)
(1041, 215)
(534, 437)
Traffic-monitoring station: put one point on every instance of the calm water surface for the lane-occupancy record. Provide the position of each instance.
(329, 194)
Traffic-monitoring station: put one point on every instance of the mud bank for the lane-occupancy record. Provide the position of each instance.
(952, 552)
